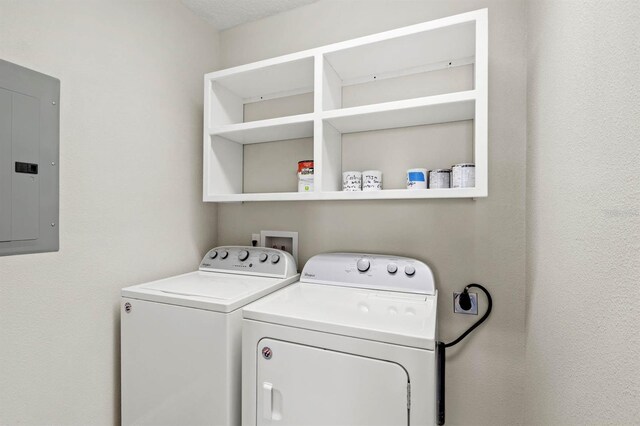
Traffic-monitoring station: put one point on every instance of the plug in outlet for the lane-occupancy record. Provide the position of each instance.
(474, 304)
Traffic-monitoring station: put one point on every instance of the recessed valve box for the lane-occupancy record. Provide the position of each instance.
(29, 157)
(283, 240)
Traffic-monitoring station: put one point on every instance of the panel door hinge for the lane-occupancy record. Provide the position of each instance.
(408, 396)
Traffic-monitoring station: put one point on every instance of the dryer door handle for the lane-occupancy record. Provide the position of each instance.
(267, 400)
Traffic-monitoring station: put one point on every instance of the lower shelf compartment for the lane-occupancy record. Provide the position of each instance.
(386, 194)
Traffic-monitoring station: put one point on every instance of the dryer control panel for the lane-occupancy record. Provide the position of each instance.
(373, 271)
(261, 261)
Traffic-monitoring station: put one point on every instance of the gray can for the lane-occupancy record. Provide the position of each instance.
(463, 175)
(440, 178)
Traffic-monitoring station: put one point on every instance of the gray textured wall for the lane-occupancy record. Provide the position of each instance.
(583, 215)
(130, 194)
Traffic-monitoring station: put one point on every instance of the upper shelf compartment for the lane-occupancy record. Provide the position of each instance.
(413, 49)
(227, 91)
(417, 61)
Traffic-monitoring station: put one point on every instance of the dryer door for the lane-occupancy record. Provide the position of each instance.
(302, 385)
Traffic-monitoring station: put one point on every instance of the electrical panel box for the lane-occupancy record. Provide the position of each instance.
(29, 157)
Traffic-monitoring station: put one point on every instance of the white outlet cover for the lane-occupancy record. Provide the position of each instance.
(282, 234)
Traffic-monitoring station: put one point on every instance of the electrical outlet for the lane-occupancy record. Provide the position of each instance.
(256, 238)
(474, 304)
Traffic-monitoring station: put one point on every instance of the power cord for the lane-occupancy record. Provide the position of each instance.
(464, 301)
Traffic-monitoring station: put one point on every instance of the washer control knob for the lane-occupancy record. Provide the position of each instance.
(224, 254)
(275, 258)
(392, 268)
(409, 270)
(213, 254)
(363, 265)
(264, 257)
(243, 255)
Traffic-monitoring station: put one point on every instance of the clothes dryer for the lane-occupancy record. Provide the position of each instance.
(352, 343)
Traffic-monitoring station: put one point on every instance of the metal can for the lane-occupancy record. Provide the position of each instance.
(305, 167)
(305, 176)
(440, 178)
(463, 175)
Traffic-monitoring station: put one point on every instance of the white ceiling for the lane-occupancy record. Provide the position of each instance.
(225, 14)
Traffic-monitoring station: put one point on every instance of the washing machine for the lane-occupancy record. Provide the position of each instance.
(181, 337)
(352, 343)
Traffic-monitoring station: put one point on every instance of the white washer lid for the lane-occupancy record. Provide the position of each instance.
(384, 316)
(214, 291)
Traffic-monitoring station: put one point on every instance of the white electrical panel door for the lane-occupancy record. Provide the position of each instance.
(300, 385)
(25, 206)
(6, 115)
(176, 368)
(19, 185)
(29, 160)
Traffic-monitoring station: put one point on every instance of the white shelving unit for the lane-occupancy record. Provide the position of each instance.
(327, 72)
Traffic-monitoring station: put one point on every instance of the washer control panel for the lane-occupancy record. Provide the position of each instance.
(373, 271)
(249, 261)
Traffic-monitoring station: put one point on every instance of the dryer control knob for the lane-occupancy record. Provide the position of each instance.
(224, 254)
(363, 265)
(213, 254)
(243, 255)
(409, 270)
(264, 257)
(275, 258)
(392, 268)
